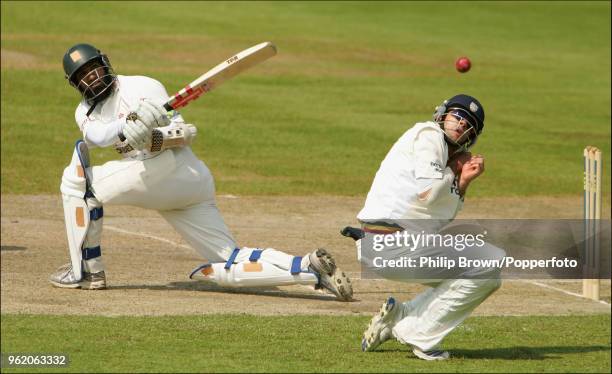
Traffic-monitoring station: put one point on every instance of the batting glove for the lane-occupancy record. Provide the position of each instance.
(151, 114)
(136, 133)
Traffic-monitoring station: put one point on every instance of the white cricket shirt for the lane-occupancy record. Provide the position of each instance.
(415, 164)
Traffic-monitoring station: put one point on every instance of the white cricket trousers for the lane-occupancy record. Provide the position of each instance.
(176, 184)
(434, 313)
(455, 292)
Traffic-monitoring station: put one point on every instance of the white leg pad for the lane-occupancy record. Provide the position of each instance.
(270, 268)
(258, 274)
(76, 216)
(272, 256)
(82, 231)
(93, 238)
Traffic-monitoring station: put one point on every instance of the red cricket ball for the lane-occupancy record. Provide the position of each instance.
(463, 64)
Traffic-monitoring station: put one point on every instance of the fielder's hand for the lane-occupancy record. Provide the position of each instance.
(472, 169)
(136, 133)
(457, 161)
(151, 114)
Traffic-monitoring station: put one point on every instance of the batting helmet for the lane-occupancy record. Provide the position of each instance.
(81, 57)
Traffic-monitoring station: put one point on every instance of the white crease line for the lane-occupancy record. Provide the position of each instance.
(563, 291)
(357, 276)
(112, 228)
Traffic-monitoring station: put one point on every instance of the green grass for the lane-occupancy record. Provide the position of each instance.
(349, 79)
(242, 343)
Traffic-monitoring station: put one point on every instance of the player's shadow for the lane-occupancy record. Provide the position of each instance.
(206, 287)
(528, 353)
(11, 248)
(515, 353)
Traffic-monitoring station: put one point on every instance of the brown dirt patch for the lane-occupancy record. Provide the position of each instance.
(148, 276)
(19, 60)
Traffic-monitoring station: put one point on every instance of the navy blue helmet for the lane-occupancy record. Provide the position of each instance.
(466, 107)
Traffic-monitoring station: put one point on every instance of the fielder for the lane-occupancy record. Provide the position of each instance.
(158, 171)
(425, 176)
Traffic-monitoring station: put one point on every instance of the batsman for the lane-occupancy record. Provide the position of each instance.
(158, 171)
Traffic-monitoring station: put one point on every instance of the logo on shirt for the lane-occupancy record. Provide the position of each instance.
(455, 188)
(436, 166)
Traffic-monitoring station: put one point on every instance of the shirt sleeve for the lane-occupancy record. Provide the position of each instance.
(103, 135)
(430, 160)
(97, 133)
(431, 173)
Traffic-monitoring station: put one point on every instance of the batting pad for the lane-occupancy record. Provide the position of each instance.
(82, 214)
(248, 274)
(250, 267)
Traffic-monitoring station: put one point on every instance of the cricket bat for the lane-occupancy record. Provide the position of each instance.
(221, 73)
(216, 76)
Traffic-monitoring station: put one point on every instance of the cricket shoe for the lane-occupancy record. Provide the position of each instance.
(431, 355)
(331, 277)
(64, 278)
(380, 328)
